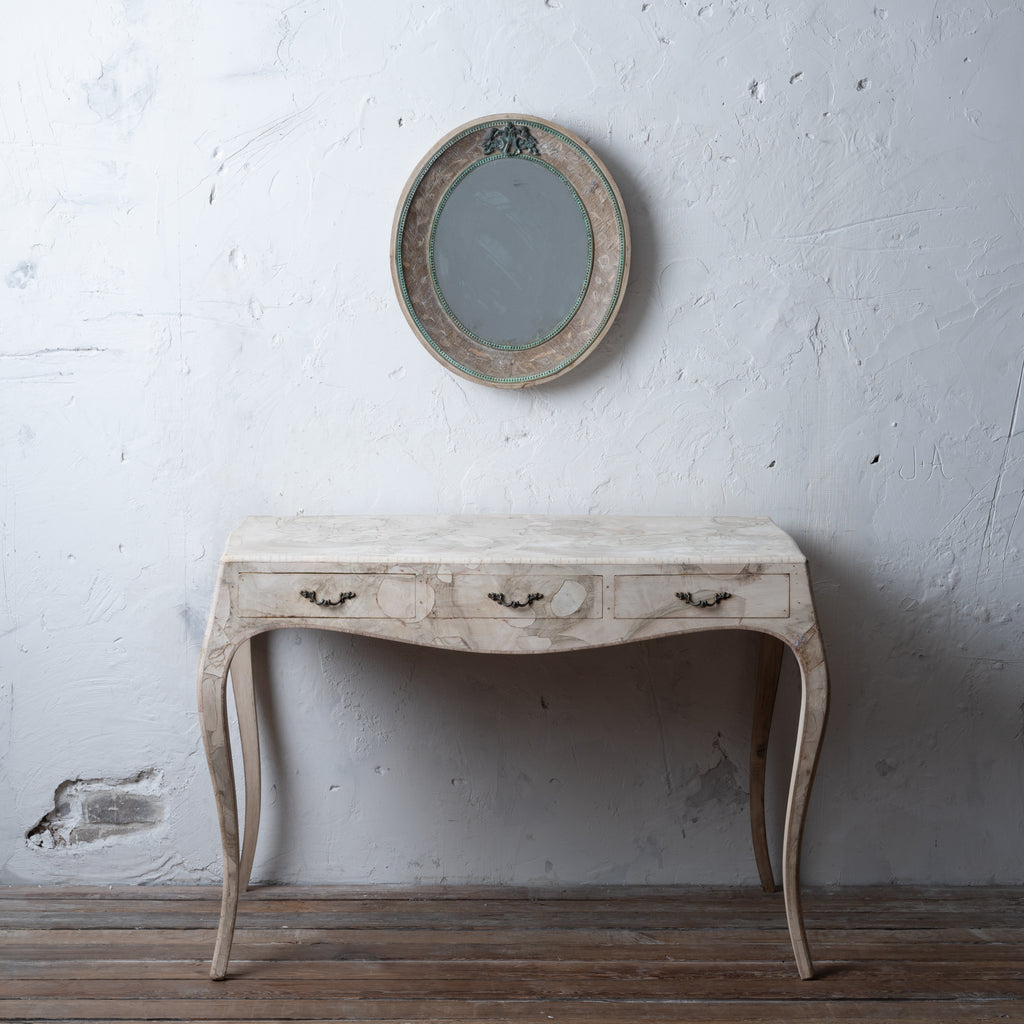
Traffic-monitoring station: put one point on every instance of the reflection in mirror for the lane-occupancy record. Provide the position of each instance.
(511, 252)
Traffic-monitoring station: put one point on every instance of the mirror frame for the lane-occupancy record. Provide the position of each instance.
(510, 136)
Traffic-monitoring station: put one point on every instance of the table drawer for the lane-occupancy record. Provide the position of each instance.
(528, 596)
(285, 595)
(746, 595)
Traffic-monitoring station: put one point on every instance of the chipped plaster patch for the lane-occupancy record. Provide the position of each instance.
(88, 810)
(22, 275)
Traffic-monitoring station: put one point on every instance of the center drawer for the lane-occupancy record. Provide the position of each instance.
(528, 596)
(697, 595)
(333, 595)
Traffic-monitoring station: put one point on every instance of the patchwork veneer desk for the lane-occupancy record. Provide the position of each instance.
(517, 584)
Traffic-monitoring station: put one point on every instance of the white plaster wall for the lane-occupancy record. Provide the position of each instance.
(823, 324)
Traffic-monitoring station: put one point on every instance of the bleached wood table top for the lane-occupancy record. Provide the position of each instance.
(513, 539)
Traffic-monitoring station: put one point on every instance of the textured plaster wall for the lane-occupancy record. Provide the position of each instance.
(823, 324)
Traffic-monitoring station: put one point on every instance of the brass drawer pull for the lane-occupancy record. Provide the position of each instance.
(500, 599)
(688, 598)
(310, 595)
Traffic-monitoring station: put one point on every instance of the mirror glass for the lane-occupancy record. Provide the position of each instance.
(511, 252)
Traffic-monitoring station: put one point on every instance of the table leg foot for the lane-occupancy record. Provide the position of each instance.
(225, 931)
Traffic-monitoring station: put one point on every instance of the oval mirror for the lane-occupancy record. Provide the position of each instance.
(510, 251)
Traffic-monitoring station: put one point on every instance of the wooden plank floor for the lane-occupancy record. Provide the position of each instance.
(600, 955)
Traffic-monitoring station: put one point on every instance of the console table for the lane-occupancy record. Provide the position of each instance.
(512, 584)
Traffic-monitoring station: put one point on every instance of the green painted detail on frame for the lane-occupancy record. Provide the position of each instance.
(510, 139)
(400, 232)
(586, 277)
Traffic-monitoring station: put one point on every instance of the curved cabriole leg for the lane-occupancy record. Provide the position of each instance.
(213, 720)
(248, 732)
(768, 665)
(810, 654)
